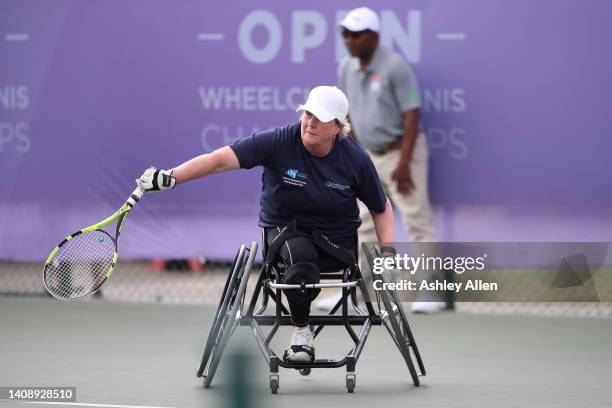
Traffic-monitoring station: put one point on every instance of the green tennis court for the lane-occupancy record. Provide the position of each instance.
(125, 354)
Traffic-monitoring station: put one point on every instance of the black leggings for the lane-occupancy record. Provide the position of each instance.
(298, 249)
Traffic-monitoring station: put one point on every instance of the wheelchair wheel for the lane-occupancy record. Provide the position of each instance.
(230, 283)
(305, 371)
(228, 317)
(350, 383)
(274, 383)
(396, 322)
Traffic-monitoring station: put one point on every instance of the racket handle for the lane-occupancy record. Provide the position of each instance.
(135, 196)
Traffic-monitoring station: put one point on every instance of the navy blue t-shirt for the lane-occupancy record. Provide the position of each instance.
(319, 192)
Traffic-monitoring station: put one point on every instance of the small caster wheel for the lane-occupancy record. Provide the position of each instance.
(350, 383)
(305, 371)
(274, 383)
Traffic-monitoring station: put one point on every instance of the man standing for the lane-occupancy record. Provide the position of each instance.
(384, 105)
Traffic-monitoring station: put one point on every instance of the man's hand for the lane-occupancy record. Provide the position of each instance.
(404, 178)
(154, 179)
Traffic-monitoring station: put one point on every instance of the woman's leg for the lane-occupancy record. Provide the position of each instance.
(298, 254)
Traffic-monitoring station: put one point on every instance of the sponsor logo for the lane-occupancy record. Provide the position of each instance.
(294, 177)
(294, 173)
(337, 186)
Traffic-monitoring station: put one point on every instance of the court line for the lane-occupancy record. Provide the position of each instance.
(451, 36)
(82, 404)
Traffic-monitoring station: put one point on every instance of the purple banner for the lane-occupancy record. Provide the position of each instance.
(516, 105)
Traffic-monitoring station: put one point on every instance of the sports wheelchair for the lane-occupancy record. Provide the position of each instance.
(232, 312)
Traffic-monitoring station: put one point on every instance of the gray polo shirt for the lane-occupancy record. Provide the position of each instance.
(378, 96)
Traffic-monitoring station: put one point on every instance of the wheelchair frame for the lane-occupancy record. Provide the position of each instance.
(231, 313)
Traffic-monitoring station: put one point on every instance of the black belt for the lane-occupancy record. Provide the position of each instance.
(390, 147)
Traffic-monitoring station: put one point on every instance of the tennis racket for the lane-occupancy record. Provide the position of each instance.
(82, 262)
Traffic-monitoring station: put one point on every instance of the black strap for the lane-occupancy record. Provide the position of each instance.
(297, 348)
(344, 255)
(289, 231)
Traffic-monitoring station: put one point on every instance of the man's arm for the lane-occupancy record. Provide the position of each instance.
(402, 172)
(220, 160)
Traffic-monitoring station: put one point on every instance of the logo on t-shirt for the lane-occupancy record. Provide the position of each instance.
(375, 83)
(337, 186)
(295, 177)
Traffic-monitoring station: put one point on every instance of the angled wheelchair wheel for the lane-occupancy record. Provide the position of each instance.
(396, 322)
(228, 316)
(230, 283)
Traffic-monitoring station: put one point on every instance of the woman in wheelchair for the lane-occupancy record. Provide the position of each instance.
(313, 175)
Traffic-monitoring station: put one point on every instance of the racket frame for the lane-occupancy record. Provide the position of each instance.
(119, 214)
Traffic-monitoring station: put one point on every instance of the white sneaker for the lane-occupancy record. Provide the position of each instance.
(301, 348)
(328, 303)
(427, 307)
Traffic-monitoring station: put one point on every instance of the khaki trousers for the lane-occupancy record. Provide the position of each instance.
(414, 209)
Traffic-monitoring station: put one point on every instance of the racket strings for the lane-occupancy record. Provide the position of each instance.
(80, 265)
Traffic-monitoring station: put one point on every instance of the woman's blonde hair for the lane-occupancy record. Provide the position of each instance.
(345, 128)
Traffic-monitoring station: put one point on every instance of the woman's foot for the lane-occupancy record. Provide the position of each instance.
(301, 348)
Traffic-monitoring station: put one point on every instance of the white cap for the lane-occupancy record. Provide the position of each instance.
(326, 103)
(361, 19)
